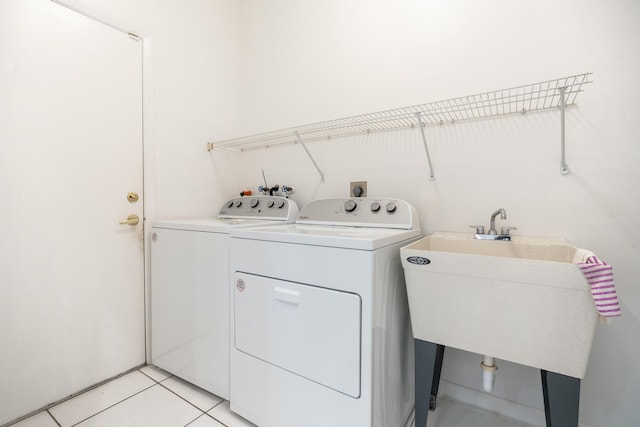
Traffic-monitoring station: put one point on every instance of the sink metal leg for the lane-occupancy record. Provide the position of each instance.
(561, 399)
(437, 370)
(428, 357)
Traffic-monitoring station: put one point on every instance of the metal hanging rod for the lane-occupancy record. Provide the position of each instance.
(564, 169)
(432, 177)
(310, 156)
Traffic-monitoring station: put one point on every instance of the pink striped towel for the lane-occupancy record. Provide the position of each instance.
(599, 274)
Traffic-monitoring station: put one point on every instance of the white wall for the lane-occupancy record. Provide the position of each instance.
(310, 61)
(305, 61)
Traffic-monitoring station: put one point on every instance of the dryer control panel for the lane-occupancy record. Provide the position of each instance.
(259, 207)
(379, 212)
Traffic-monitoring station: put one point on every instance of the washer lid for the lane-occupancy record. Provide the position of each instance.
(220, 225)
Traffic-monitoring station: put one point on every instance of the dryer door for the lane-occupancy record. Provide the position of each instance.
(310, 331)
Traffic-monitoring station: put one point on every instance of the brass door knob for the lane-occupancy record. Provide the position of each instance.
(131, 220)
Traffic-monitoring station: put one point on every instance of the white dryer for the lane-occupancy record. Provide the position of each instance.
(321, 335)
(190, 288)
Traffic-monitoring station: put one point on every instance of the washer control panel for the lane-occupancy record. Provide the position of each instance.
(259, 207)
(360, 212)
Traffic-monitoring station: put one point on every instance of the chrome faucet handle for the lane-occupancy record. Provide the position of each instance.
(479, 228)
(505, 230)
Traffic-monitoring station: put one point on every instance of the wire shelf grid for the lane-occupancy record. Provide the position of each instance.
(520, 99)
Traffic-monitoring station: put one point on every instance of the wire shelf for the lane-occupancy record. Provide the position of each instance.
(521, 99)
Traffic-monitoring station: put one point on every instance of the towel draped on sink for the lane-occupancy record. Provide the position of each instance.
(599, 275)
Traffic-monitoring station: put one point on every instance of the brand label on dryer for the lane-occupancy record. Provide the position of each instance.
(240, 285)
(419, 260)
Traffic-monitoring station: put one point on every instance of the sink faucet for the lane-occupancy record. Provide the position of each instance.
(492, 234)
(492, 227)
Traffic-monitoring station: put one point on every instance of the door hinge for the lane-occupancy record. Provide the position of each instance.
(134, 37)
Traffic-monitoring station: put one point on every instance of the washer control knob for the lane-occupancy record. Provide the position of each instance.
(238, 203)
(375, 207)
(230, 204)
(270, 203)
(280, 204)
(350, 205)
(254, 202)
(391, 207)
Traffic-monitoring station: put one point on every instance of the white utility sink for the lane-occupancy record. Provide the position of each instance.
(522, 300)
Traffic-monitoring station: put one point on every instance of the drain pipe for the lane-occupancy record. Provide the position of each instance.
(488, 373)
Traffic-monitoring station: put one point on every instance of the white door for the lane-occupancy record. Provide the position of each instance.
(71, 276)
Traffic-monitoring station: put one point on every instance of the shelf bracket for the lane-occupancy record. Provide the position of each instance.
(564, 169)
(432, 177)
(308, 154)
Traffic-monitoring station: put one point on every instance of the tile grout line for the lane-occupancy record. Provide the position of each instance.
(71, 396)
(53, 418)
(167, 388)
(153, 379)
(203, 412)
(220, 421)
(208, 416)
(217, 404)
(117, 403)
(139, 369)
(214, 418)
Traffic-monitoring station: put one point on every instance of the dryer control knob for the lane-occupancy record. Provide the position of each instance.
(391, 207)
(254, 202)
(230, 204)
(238, 203)
(270, 203)
(350, 205)
(375, 207)
(280, 204)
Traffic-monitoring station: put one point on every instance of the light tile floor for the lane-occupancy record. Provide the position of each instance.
(152, 397)
(146, 397)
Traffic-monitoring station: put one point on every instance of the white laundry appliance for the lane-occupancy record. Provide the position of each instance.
(190, 288)
(321, 331)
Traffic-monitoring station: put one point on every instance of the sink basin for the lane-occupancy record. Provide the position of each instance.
(522, 300)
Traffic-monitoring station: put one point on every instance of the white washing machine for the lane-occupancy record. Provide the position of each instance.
(190, 288)
(321, 335)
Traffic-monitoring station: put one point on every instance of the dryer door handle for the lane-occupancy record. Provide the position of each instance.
(286, 295)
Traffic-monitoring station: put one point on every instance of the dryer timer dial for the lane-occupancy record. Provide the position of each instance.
(350, 205)
(391, 207)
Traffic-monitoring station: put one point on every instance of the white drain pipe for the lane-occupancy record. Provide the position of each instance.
(488, 373)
